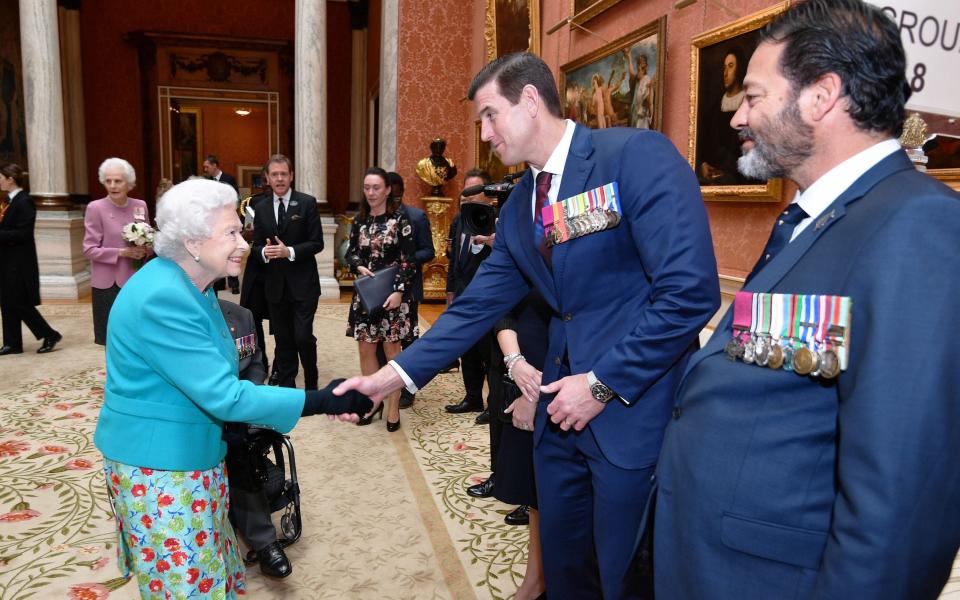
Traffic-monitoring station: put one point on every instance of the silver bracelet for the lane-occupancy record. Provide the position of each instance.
(514, 359)
(511, 357)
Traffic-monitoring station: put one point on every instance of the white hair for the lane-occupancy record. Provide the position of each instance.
(129, 175)
(186, 212)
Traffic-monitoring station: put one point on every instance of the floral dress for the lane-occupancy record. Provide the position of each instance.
(378, 242)
(174, 535)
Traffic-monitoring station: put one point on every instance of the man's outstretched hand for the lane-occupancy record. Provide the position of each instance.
(376, 387)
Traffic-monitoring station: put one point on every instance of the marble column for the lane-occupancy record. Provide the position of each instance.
(310, 123)
(59, 230)
(388, 84)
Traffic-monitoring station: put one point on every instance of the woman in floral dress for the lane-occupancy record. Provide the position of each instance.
(382, 236)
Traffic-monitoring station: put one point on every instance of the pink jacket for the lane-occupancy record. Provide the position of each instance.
(102, 240)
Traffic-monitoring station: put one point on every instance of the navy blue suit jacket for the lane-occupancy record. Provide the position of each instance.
(628, 302)
(774, 485)
(424, 240)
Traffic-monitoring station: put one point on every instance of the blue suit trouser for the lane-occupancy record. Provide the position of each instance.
(590, 514)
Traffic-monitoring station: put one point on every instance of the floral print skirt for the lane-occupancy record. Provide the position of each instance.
(174, 535)
(397, 325)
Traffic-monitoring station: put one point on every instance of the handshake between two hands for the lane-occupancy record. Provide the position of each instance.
(349, 406)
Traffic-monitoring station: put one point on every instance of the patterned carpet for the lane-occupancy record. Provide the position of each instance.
(385, 515)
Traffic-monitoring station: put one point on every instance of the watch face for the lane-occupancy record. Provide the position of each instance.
(601, 392)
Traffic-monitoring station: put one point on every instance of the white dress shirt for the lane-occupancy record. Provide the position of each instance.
(276, 217)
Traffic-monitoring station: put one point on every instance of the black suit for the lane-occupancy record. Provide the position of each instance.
(20, 273)
(230, 180)
(292, 287)
(475, 362)
(252, 293)
(249, 509)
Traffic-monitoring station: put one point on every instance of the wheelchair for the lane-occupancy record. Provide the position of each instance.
(263, 459)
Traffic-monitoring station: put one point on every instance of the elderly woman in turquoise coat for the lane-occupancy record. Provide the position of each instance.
(171, 384)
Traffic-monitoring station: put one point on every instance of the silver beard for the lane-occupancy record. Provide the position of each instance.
(790, 145)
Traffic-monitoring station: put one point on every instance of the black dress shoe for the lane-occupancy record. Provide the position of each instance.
(483, 418)
(274, 378)
(10, 350)
(49, 343)
(520, 516)
(273, 562)
(406, 399)
(481, 490)
(464, 406)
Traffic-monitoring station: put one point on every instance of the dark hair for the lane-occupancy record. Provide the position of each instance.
(859, 43)
(392, 203)
(14, 171)
(738, 54)
(393, 180)
(277, 158)
(212, 159)
(512, 72)
(483, 175)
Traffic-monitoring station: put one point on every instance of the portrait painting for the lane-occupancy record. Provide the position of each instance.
(620, 84)
(13, 128)
(187, 135)
(512, 26)
(719, 63)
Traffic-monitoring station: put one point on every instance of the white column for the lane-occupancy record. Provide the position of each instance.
(310, 124)
(43, 100)
(388, 84)
(59, 231)
(310, 99)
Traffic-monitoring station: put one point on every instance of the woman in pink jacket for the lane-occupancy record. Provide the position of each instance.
(112, 260)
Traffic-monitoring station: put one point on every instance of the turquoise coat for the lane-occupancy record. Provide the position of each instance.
(172, 377)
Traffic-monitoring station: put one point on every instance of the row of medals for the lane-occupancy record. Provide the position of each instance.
(789, 355)
(584, 223)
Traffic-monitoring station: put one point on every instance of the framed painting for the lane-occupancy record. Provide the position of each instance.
(584, 10)
(620, 84)
(250, 177)
(187, 134)
(718, 64)
(512, 26)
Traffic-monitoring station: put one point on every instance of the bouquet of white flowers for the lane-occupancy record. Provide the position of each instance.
(138, 233)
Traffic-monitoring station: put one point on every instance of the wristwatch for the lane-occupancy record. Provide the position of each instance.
(600, 392)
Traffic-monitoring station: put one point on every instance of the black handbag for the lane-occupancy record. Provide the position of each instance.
(374, 291)
(509, 391)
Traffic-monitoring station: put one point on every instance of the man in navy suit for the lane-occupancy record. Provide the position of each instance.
(773, 484)
(628, 299)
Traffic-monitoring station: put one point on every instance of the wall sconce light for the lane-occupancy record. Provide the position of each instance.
(242, 111)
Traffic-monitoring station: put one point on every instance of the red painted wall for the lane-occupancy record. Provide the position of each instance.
(234, 139)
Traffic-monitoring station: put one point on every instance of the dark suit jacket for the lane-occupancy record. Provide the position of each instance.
(774, 485)
(424, 241)
(301, 230)
(462, 268)
(252, 295)
(240, 323)
(627, 302)
(19, 271)
(229, 179)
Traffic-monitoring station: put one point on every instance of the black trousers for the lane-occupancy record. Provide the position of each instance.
(14, 314)
(474, 365)
(292, 325)
(250, 515)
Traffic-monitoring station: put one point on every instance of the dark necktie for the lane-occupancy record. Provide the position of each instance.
(281, 213)
(543, 188)
(464, 249)
(780, 236)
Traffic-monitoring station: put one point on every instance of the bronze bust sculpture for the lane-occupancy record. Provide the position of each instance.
(435, 170)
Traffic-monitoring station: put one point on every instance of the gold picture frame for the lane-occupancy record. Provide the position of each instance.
(615, 80)
(950, 177)
(713, 146)
(504, 32)
(584, 10)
